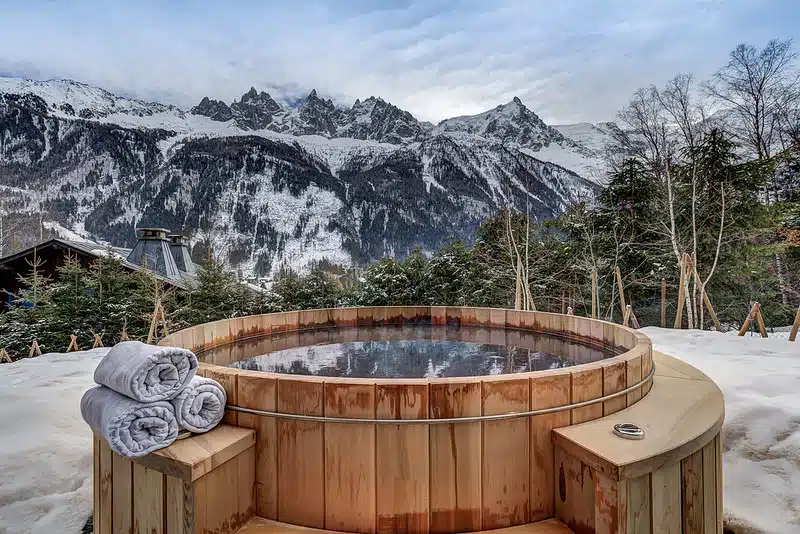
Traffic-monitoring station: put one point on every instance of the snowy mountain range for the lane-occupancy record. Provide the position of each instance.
(275, 184)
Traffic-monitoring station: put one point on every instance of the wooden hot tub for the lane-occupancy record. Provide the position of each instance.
(454, 477)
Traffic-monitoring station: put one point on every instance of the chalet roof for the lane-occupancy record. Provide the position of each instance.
(174, 277)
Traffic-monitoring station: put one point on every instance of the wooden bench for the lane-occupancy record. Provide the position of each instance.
(668, 482)
(200, 484)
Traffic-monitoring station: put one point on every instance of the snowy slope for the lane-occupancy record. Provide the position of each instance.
(761, 435)
(46, 466)
(579, 148)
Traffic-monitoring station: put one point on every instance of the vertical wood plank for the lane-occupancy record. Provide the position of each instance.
(148, 500)
(610, 506)
(221, 499)
(634, 372)
(122, 494)
(692, 494)
(575, 492)
(402, 459)
(180, 506)
(246, 485)
(710, 487)
(455, 455)
(200, 504)
(301, 468)
(614, 380)
(718, 483)
(350, 458)
(96, 506)
(587, 384)
(106, 503)
(639, 505)
(227, 379)
(547, 391)
(257, 391)
(665, 487)
(506, 457)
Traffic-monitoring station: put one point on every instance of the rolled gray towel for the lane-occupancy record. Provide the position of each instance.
(200, 406)
(131, 428)
(146, 373)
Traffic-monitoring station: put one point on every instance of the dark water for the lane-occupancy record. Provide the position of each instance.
(420, 351)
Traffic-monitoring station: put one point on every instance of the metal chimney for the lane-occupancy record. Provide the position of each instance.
(152, 250)
(180, 253)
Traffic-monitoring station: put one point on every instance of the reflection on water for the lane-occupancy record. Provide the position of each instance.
(418, 351)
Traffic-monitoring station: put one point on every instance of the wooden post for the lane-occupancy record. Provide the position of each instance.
(681, 293)
(710, 309)
(626, 317)
(35, 350)
(518, 289)
(158, 313)
(153, 324)
(707, 301)
(563, 301)
(4, 357)
(795, 326)
(750, 316)
(594, 295)
(760, 320)
(163, 319)
(98, 340)
(73, 343)
(663, 303)
(621, 291)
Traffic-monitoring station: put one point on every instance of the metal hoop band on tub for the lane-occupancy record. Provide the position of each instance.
(449, 420)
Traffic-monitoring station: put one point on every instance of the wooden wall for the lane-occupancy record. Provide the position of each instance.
(131, 498)
(681, 498)
(455, 477)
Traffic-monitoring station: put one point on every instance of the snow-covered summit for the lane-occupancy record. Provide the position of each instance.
(511, 123)
(82, 100)
(372, 119)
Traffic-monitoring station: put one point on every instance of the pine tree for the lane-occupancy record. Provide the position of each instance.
(27, 319)
(72, 305)
(212, 296)
(414, 266)
(120, 299)
(447, 278)
(385, 283)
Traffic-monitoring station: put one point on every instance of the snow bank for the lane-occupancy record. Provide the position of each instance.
(45, 447)
(760, 379)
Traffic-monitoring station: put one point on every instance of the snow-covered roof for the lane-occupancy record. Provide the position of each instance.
(98, 250)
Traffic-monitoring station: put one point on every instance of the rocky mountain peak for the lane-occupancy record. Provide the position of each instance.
(216, 110)
(512, 123)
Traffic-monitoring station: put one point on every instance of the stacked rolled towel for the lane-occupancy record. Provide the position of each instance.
(131, 428)
(200, 406)
(145, 394)
(146, 373)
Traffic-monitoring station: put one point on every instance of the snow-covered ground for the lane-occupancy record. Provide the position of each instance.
(45, 447)
(46, 464)
(760, 379)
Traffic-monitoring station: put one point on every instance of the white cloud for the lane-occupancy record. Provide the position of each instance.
(571, 60)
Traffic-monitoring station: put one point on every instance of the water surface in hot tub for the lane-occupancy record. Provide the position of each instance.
(407, 351)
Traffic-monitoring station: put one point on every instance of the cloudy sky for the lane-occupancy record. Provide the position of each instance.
(568, 60)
